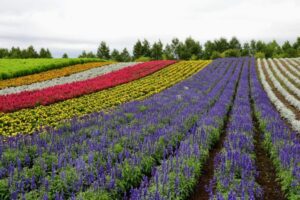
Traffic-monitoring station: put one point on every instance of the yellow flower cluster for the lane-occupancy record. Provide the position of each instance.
(51, 74)
(28, 120)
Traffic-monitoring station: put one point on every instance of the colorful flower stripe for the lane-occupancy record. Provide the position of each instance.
(88, 74)
(235, 172)
(281, 142)
(92, 153)
(177, 176)
(29, 120)
(47, 96)
(51, 74)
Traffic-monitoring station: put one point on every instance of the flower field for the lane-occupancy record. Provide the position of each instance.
(222, 129)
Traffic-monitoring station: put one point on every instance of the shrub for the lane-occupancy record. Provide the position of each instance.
(231, 53)
(215, 55)
(260, 55)
(143, 59)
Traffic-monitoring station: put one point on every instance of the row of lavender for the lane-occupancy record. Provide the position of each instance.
(234, 169)
(177, 175)
(280, 141)
(104, 155)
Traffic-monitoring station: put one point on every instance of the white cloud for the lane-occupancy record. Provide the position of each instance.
(73, 25)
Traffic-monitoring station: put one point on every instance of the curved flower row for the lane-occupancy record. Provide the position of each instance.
(292, 67)
(177, 176)
(283, 109)
(28, 120)
(287, 75)
(281, 143)
(289, 97)
(88, 74)
(282, 78)
(106, 152)
(295, 62)
(50, 74)
(47, 96)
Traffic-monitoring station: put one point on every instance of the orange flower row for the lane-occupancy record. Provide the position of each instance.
(51, 74)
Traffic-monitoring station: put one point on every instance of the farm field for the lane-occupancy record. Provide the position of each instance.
(222, 129)
(10, 68)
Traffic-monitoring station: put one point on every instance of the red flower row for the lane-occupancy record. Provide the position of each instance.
(30, 99)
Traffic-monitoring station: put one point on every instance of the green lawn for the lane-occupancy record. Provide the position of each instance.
(10, 68)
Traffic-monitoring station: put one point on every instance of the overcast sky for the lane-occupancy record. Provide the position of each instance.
(75, 25)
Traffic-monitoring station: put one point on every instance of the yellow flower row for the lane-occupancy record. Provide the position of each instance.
(28, 120)
(51, 74)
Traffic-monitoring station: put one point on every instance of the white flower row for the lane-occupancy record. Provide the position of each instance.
(286, 81)
(290, 98)
(91, 73)
(288, 73)
(296, 62)
(292, 66)
(283, 110)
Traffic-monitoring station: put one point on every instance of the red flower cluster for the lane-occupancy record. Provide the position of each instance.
(30, 99)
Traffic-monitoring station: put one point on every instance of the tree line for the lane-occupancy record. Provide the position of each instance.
(30, 52)
(188, 49)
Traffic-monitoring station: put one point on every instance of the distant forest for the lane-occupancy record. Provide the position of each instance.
(189, 49)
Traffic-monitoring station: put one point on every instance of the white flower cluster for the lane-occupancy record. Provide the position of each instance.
(283, 109)
(282, 77)
(293, 67)
(88, 74)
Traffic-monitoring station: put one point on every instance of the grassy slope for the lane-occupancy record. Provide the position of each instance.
(10, 68)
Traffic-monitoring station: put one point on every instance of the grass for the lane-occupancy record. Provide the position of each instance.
(10, 68)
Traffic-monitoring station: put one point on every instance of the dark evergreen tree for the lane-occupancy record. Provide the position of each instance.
(138, 49)
(146, 48)
(65, 55)
(103, 51)
(125, 56)
(4, 53)
(234, 43)
(157, 50)
(115, 55)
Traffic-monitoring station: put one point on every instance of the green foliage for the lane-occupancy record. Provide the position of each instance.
(215, 55)
(157, 51)
(94, 195)
(10, 68)
(4, 189)
(143, 59)
(231, 53)
(138, 50)
(260, 55)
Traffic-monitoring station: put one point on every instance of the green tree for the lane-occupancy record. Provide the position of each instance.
(83, 54)
(209, 48)
(168, 53)
(125, 56)
(31, 52)
(103, 51)
(234, 43)
(65, 55)
(16, 53)
(157, 51)
(4, 53)
(45, 53)
(221, 45)
(175, 47)
(146, 48)
(246, 51)
(193, 48)
(115, 55)
(138, 49)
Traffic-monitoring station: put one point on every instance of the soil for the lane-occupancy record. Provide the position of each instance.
(267, 173)
(200, 192)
